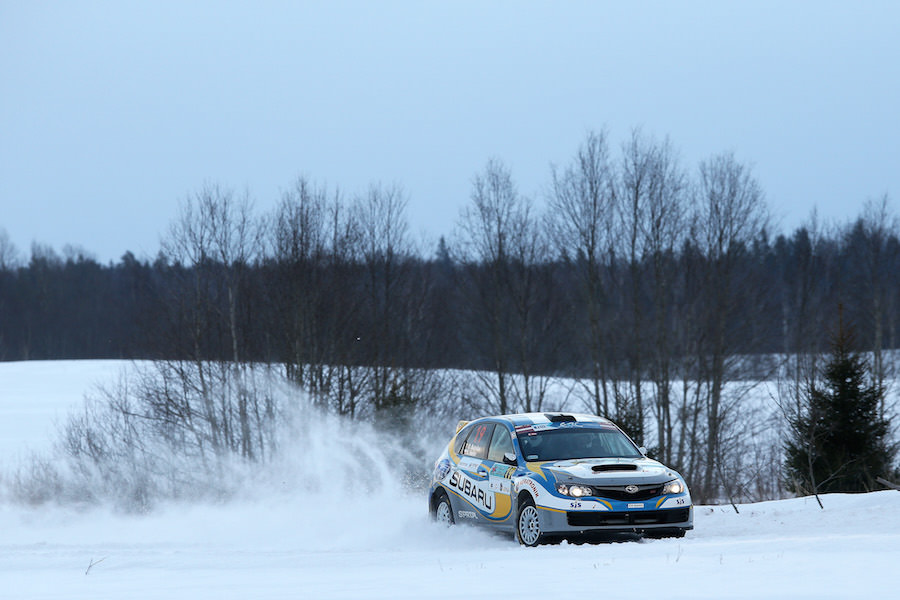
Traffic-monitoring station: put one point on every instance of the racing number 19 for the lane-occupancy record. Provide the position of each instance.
(479, 434)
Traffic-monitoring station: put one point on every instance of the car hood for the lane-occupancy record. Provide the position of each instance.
(610, 471)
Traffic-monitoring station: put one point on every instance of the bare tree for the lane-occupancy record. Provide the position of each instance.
(651, 205)
(386, 250)
(214, 241)
(804, 266)
(503, 245)
(582, 216)
(731, 214)
(303, 248)
(873, 243)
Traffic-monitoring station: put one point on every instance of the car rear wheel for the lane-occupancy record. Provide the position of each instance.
(443, 512)
(528, 523)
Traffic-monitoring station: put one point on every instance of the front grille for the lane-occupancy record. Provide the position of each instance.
(618, 492)
(636, 518)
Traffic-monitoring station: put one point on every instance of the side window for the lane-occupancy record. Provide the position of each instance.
(501, 443)
(476, 444)
(461, 439)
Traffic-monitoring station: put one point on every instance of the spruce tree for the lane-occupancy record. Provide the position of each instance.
(839, 441)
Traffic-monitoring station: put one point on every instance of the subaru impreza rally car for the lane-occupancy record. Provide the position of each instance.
(545, 475)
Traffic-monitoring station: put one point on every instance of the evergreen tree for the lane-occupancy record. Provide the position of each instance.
(839, 441)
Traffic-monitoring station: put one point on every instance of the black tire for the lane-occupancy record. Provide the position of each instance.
(528, 523)
(443, 510)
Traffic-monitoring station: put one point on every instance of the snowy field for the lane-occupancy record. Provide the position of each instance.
(357, 539)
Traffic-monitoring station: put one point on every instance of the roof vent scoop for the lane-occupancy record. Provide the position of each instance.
(560, 418)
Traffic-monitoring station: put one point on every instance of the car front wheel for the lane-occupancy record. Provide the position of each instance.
(528, 523)
(443, 512)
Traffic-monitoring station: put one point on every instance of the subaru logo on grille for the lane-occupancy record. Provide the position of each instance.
(631, 489)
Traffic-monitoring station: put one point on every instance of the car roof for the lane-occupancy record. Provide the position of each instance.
(555, 418)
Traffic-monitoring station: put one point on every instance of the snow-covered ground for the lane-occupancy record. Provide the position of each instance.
(36, 395)
(357, 539)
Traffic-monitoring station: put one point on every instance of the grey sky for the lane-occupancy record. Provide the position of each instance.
(112, 112)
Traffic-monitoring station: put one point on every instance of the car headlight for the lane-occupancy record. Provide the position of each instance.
(674, 487)
(574, 490)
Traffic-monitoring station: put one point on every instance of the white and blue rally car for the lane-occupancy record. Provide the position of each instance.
(545, 475)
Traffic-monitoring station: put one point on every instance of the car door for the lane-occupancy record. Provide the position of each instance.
(501, 468)
(470, 479)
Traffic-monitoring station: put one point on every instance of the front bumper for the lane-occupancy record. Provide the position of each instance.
(637, 521)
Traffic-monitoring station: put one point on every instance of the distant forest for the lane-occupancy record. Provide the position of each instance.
(434, 312)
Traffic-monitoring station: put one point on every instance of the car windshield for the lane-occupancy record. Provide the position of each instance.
(576, 442)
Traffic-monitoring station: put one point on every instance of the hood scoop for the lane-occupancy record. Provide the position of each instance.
(615, 467)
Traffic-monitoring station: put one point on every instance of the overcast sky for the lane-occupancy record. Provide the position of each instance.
(111, 113)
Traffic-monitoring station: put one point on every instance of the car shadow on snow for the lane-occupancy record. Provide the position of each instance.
(589, 538)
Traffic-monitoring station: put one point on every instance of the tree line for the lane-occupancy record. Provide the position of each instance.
(659, 289)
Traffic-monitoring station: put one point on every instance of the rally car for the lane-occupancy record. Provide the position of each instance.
(549, 475)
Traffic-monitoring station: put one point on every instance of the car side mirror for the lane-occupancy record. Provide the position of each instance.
(510, 459)
(643, 450)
